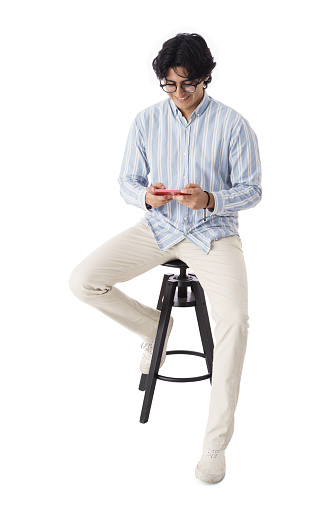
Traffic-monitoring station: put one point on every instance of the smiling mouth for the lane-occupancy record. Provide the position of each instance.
(182, 99)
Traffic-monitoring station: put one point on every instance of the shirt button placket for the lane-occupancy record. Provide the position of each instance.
(186, 172)
(186, 153)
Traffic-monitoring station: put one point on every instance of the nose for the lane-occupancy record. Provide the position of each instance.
(180, 93)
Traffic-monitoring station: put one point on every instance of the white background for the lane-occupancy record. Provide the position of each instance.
(73, 76)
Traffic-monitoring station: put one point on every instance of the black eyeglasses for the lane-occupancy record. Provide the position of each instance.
(170, 88)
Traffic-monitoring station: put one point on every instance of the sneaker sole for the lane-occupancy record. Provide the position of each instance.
(208, 478)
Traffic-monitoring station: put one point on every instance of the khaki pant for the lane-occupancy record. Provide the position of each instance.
(222, 274)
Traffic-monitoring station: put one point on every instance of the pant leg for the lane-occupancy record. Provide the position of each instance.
(125, 256)
(222, 274)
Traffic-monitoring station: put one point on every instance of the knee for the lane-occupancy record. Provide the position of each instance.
(240, 318)
(234, 319)
(83, 284)
(86, 284)
(76, 283)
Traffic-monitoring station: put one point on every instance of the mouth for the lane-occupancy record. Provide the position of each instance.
(182, 99)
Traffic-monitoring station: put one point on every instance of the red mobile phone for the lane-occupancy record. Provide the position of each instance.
(165, 192)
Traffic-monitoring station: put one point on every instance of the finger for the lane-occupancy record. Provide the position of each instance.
(188, 191)
(161, 203)
(162, 198)
(191, 185)
(157, 186)
(179, 198)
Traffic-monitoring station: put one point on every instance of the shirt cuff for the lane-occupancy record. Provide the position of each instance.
(219, 204)
(142, 203)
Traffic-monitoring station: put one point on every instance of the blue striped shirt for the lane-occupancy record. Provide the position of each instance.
(217, 149)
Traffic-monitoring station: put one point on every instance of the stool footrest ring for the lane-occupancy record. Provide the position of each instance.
(184, 379)
(187, 352)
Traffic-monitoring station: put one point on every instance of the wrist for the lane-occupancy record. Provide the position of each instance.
(147, 205)
(207, 200)
(212, 201)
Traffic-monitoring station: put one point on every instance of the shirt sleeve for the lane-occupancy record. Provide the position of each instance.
(244, 172)
(133, 178)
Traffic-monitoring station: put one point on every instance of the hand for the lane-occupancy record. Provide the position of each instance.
(156, 201)
(197, 200)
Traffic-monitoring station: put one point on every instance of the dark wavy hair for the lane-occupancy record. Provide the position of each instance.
(188, 51)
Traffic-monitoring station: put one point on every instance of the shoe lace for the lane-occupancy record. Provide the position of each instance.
(213, 454)
(147, 346)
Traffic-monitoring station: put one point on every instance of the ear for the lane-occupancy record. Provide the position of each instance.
(204, 85)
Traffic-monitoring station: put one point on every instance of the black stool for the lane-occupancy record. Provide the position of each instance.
(182, 298)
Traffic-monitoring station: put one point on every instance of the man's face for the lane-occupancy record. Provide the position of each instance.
(185, 101)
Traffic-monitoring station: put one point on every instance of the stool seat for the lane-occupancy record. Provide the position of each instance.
(175, 263)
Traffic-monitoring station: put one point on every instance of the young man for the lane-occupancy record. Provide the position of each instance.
(194, 143)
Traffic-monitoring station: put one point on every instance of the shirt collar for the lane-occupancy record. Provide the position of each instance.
(198, 111)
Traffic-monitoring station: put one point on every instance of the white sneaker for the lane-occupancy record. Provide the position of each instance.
(211, 467)
(148, 347)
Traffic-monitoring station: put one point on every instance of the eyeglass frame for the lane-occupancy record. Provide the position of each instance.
(182, 85)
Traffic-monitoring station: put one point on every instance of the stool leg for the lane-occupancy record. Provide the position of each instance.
(143, 382)
(143, 378)
(157, 351)
(162, 290)
(203, 324)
